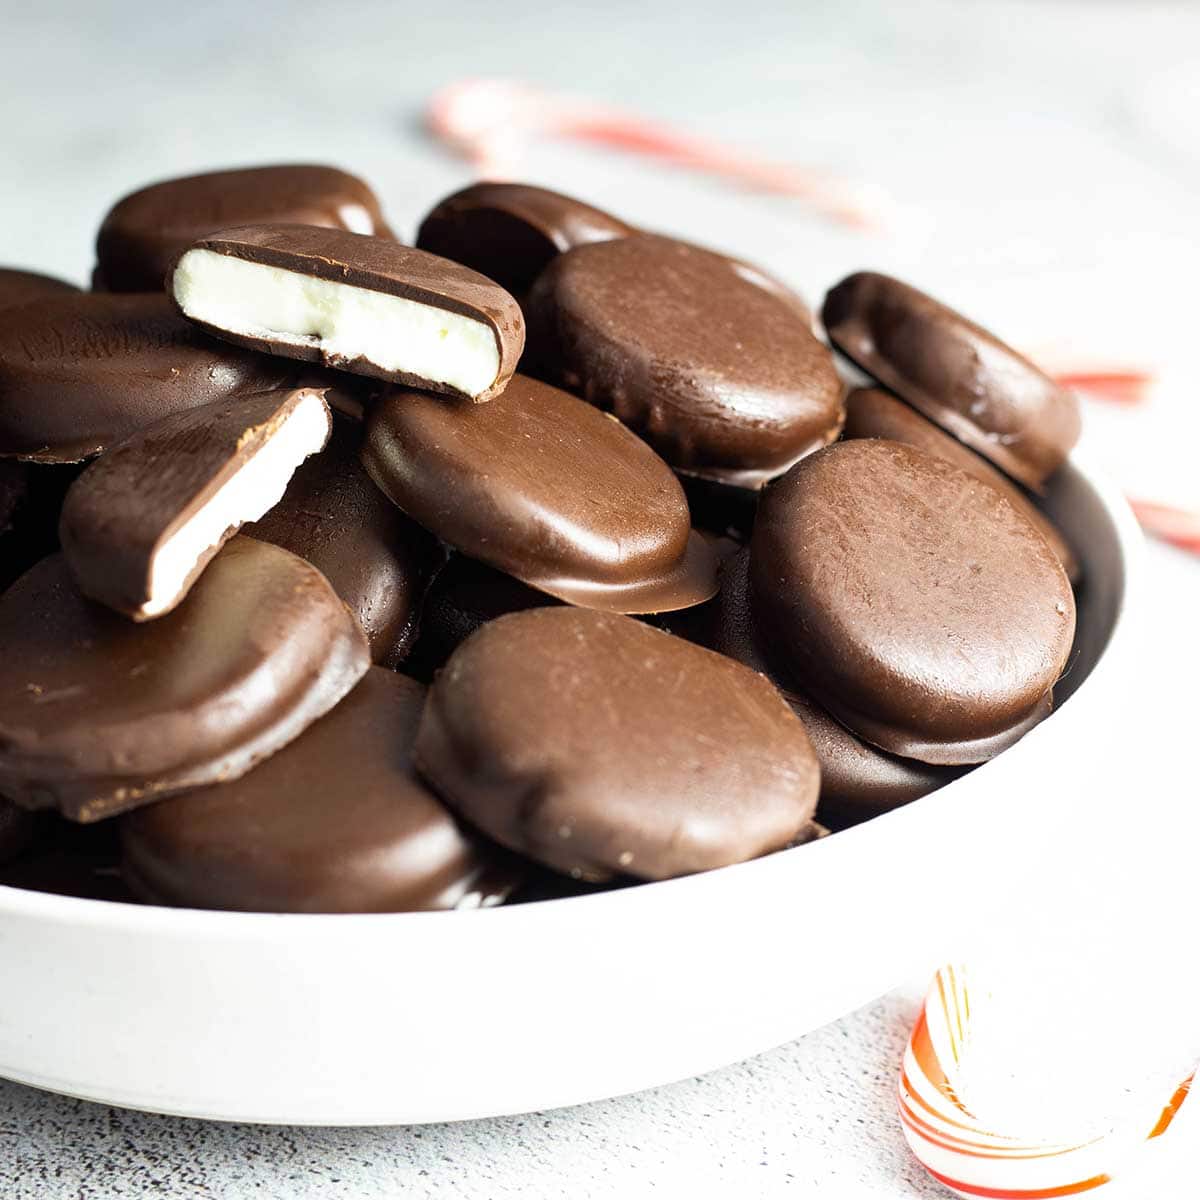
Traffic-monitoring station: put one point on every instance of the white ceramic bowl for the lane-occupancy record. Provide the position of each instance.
(414, 1017)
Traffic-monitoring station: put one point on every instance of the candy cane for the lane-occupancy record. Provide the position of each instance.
(1178, 526)
(1121, 385)
(489, 121)
(973, 1161)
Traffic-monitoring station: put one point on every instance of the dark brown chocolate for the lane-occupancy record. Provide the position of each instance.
(542, 486)
(959, 375)
(601, 746)
(858, 781)
(133, 524)
(16, 830)
(31, 497)
(377, 560)
(145, 232)
(65, 859)
(99, 715)
(374, 265)
(335, 822)
(874, 413)
(80, 373)
(914, 602)
(510, 231)
(698, 353)
(24, 287)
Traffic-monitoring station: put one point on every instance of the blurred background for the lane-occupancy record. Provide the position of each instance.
(1035, 163)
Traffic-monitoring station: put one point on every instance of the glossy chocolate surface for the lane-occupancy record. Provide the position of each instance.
(858, 781)
(698, 353)
(956, 373)
(599, 746)
(874, 413)
(127, 504)
(80, 373)
(542, 486)
(378, 561)
(99, 715)
(24, 287)
(378, 265)
(146, 231)
(916, 605)
(335, 822)
(510, 231)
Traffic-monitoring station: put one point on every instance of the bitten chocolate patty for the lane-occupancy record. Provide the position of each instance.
(706, 358)
(144, 233)
(599, 746)
(98, 714)
(957, 374)
(335, 822)
(82, 372)
(914, 602)
(543, 486)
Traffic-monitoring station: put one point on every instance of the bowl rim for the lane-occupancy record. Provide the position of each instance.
(148, 918)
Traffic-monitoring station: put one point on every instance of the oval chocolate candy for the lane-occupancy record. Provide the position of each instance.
(146, 231)
(99, 715)
(959, 375)
(874, 413)
(82, 372)
(510, 231)
(360, 304)
(600, 746)
(335, 822)
(144, 520)
(914, 602)
(24, 287)
(540, 485)
(858, 781)
(709, 360)
(377, 560)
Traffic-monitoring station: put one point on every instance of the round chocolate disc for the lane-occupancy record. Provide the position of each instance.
(957, 374)
(510, 231)
(599, 746)
(98, 714)
(377, 560)
(24, 287)
(145, 232)
(706, 358)
(858, 781)
(542, 486)
(874, 413)
(914, 602)
(82, 372)
(303, 833)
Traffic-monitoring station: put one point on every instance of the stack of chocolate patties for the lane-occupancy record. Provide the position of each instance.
(348, 576)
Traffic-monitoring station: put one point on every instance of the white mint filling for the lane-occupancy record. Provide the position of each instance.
(345, 322)
(255, 488)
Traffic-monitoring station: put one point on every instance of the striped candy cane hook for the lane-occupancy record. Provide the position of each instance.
(959, 1149)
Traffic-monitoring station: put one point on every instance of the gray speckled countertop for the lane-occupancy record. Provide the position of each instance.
(1039, 164)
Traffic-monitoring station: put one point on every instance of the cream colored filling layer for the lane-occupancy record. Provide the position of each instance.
(253, 490)
(347, 322)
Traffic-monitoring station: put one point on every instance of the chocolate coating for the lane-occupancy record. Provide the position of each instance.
(99, 715)
(303, 833)
(31, 497)
(66, 859)
(858, 781)
(917, 605)
(377, 560)
(546, 488)
(146, 231)
(701, 355)
(16, 830)
(874, 413)
(126, 505)
(379, 265)
(80, 373)
(510, 231)
(24, 287)
(599, 745)
(959, 375)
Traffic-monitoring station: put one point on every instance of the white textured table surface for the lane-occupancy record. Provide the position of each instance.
(1038, 164)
